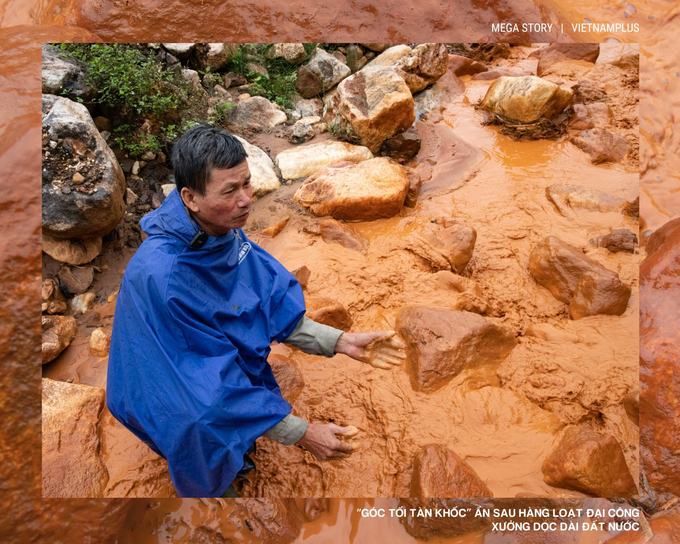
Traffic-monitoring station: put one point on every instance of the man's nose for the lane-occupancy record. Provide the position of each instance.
(246, 198)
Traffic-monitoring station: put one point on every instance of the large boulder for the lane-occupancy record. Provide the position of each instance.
(362, 192)
(591, 463)
(263, 176)
(571, 277)
(659, 369)
(559, 52)
(525, 99)
(292, 52)
(64, 75)
(601, 145)
(440, 473)
(372, 105)
(424, 65)
(214, 56)
(441, 343)
(299, 162)
(58, 332)
(71, 462)
(320, 74)
(73, 251)
(82, 183)
(255, 114)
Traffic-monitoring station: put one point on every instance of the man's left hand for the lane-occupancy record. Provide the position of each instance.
(378, 349)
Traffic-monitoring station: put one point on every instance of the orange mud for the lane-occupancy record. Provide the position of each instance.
(78, 520)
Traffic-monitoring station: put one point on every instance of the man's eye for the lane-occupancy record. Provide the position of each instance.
(246, 183)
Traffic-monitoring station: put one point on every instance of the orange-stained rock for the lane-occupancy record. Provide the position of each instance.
(446, 245)
(619, 240)
(441, 343)
(571, 277)
(665, 529)
(559, 52)
(288, 376)
(433, 526)
(334, 232)
(424, 65)
(315, 508)
(659, 356)
(275, 229)
(576, 197)
(589, 462)
(463, 66)
(366, 191)
(302, 274)
(58, 332)
(601, 145)
(71, 464)
(439, 472)
(100, 341)
(329, 312)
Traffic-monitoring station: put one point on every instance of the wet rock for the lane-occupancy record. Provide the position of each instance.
(549, 333)
(665, 527)
(403, 146)
(622, 55)
(315, 508)
(441, 343)
(424, 65)
(56, 307)
(525, 99)
(63, 74)
(463, 66)
(415, 181)
(390, 56)
(301, 132)
(71, 463)
(601, 145)
(256, 114)
(334, 232)
(329, 312)
(216, 55)
(559, 52)
(591, 463)
(81, 304)
(575, 197)
(100, 341)
(571, 277)
(80, 214)
(617, 241)
(76, 279)
(366, 191)
(180, 50)
(263, 178)
(288, 376)
(371, 106)
(447, 244)
(293, 52)
(277, 228)
(309, 159)
(659, 369)
(428, 527)
(57, 333)
(50, 290)
(302, 275)
(320, 74)
(439, 472)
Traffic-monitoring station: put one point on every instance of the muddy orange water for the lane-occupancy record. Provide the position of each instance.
(26, 23)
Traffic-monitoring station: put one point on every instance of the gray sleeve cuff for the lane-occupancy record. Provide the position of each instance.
(315, 338)
(288, 431)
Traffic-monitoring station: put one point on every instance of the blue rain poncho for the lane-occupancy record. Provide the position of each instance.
(188, 371)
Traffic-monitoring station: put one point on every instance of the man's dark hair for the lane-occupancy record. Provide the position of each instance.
(199, 150)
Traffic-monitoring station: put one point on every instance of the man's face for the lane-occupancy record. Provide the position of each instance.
(227, 200)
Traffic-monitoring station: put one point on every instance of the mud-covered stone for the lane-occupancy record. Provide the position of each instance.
(601, 145)
(100, 341)
(659, 369)
(76, 279)
(73, 251)
(403, 146)
(302, 275)
(575, 279)
(276, 228)
(617, 241)
(591, 463)
(372, 105)
(559, 52)
(263, 178)
(441, 343)
(71, 463)
(320, 74)
(315, 508)
(328, 312)
(424, 65)
(64, 75)
(288, 376)
(440, 473)
(525, 99)
(464, 66)
(426, 527)
(366, 191)
(446, 244)
(575, 197)
(93, 207)
(334, 232)
(310, 159)
(57, 334)
(256, 114)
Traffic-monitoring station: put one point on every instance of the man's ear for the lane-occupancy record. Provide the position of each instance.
(189, 198)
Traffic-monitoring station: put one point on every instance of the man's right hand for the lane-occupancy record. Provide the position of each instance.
(320, 440)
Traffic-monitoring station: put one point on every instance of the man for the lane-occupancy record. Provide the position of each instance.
(198, 308)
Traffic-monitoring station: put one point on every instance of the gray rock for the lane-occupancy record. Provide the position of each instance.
(61, 72)
(301, 132)
(180, 50)
(257, 114)
(76, 280)
(320, 74)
